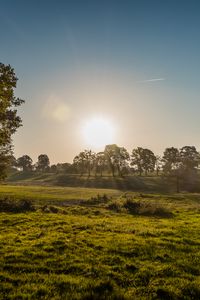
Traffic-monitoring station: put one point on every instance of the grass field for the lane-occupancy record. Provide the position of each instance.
(82, 243)
(135, 183)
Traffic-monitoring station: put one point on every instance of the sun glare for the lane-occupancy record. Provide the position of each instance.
(98, 132)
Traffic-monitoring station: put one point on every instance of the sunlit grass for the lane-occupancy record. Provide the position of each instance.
(91, 252)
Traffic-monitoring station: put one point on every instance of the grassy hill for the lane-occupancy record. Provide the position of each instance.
(133, 183)
(83, 243)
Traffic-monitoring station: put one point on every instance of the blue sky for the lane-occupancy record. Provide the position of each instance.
(80, 59)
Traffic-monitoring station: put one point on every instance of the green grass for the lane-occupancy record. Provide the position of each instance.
(87, 251)
(135, 183)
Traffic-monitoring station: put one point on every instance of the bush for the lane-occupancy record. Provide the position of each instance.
(132, 206)
(11, 205)
(115, 206)
(153, 209)
(140, 208)
(99, 199)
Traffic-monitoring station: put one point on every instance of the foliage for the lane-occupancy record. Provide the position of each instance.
(84, 161)
(25, 162)
(43, 162)
(9, 120)
(117, 158)
(143, 160)
(9, 205)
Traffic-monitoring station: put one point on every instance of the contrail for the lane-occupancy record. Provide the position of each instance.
(152, 80)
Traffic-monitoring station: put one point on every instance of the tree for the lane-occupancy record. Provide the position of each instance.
(64, 167)
(89, 160)
(43, 162)
(109, 152)
(85, 161)
(137, 160)
(25, 162)
(172, 165)
(149, 160)
(116, 158)
(158, 164)
(79, 163)
(100, 163)
(189, 158)
(9, 120)
(122, 158)
(143, 160)
(53, 168)
(171, 160)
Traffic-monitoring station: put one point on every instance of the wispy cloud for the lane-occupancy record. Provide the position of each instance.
(152, 80)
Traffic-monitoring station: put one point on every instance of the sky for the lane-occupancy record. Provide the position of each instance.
(132, 63)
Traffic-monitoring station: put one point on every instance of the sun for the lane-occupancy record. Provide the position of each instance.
(98, 132)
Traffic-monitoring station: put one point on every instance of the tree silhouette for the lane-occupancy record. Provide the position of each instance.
(171, 160)
(100, 163)
(172, 165)
(143, 160)
(85, 161)
(25, 162)
(189, 157)
(43, 163)
(116, 158)
(137, 159)
(9, 120)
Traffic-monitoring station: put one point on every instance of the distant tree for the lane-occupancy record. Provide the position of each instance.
(110, 153)
(143, 160)
(64, 167)
(122, 158)
(79, 163)
(53, 168)
(116, 157)
(172, 165)
(9, 120)
(149, 160)
(171, 160)
(190, 158)
(25, 162)
(89, 160)
(43, 163)
(158, 164)
(137, 159)
(85, 161)
(100, 163)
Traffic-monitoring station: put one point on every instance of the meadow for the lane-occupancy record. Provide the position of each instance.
(87, 243)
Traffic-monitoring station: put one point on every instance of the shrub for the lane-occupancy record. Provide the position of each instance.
(11, 205)
(99, 199)
(132, 206)
(115, 206)
(153, 209)
(140, 208)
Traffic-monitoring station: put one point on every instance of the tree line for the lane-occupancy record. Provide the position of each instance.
(117, 161)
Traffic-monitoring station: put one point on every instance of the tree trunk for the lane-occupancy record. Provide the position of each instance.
(177, 184)
(101, 171)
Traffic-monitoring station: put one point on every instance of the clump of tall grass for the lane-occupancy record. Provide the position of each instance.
(11, 205)
(95, 200)
(140, 208)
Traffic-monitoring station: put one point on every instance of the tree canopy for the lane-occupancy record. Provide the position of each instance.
(9, 119)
